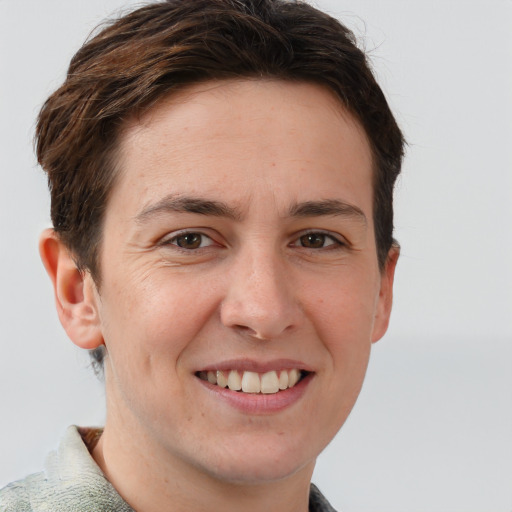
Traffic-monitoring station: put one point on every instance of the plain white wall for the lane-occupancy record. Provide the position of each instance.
(432, 430)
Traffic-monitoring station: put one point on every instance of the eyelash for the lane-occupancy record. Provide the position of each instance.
(335, 243)
(173, 240)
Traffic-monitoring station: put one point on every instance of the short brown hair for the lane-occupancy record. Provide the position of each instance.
(164, 46)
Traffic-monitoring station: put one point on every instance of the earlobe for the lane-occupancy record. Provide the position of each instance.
(385, 299)
(75, 292)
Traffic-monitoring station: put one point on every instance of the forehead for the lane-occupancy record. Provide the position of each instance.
(262, 133)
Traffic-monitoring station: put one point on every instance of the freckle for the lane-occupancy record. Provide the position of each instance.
(273, 164)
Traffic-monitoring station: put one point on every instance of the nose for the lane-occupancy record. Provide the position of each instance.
(260, 299)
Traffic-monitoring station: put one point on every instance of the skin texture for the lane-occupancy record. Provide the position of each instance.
(255, 291)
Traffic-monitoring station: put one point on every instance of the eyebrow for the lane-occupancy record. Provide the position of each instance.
(184, 204)
(181, 204)
(327, 207)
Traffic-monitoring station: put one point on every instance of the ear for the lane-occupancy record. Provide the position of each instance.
(385, 299)
(75, 292)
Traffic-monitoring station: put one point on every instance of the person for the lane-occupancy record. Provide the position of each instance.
(221, 177)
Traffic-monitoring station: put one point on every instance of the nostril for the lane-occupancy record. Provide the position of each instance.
(258, 316)
(249, 331)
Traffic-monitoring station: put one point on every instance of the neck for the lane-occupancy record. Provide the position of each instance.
(151, 480)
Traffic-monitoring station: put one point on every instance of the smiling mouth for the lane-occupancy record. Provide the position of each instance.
(252, 382)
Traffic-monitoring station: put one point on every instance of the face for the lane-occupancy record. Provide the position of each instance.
(238, 250)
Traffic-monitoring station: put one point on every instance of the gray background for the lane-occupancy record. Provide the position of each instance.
(432, 430)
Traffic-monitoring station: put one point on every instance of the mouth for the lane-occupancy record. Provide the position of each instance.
(268, 383)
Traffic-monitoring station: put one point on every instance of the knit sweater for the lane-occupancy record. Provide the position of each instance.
(73, 482)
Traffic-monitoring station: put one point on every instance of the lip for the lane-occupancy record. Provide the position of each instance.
(248, 365)
(259, 404)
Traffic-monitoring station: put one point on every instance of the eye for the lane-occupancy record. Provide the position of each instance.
(316, 240)
(191, 240)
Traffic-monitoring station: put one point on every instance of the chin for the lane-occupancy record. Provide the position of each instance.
(258, 474)
(260, 464)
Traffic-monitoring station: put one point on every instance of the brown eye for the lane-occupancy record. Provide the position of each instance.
(313, 240)
(318, 240)
(191, 240)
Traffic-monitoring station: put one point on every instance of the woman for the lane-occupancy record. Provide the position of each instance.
(221, 175)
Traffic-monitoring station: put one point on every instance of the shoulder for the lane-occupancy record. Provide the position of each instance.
(16, 497)
(317, 501)
(71, 480)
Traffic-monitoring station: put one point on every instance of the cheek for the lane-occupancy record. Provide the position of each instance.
(345, 307)
(152, 320)
(147, 327)
(344, 323)
(344, 328)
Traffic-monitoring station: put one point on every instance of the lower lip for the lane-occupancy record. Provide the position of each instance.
(259, 403)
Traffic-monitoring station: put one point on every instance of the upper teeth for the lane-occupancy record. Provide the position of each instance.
(252, 382)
